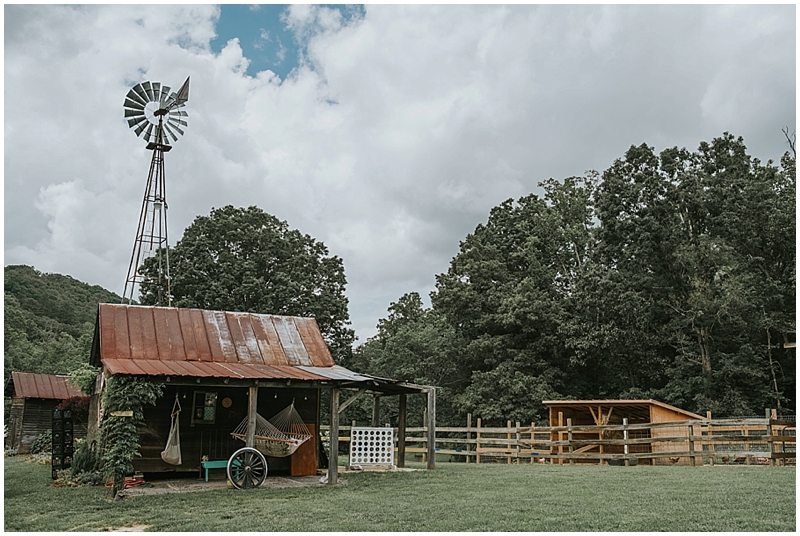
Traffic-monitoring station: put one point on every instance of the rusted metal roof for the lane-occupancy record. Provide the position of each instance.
(194, 342)
(29, 385)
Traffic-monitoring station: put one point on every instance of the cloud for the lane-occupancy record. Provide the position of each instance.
(399, 130)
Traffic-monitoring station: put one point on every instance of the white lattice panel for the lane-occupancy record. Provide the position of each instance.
(371, 446)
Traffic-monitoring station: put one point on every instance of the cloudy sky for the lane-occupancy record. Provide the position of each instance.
(386, 132)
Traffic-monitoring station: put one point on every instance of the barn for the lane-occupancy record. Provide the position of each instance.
(33, 399)
(222, 368)
(603, 412)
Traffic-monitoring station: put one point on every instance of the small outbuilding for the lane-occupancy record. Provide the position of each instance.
(226, 370)
(605, 412)
(33, 399)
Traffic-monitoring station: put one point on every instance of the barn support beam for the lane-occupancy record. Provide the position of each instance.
(431, 428)
(252, 408)
(401, 433)
(333, 459)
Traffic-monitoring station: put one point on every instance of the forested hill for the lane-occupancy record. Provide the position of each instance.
(49, 320)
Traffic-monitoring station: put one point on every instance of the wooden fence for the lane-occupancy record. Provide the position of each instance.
(767, 441)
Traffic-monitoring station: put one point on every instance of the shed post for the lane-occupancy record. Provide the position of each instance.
(401, 432)
(431, 428)
(252, 408)
(333, 459)
(376, 410)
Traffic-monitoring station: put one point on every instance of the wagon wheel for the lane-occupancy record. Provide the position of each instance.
(247, 468)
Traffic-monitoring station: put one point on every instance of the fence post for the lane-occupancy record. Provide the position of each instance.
(469, 434)
(533, 441)
(692, 457)
(508, 438)
(710, 444)
(569, 438)
(478, 442)
(770, 445)
(519, 438)
(425, 432)
(560, 438)
(401, 432)
(625, 436)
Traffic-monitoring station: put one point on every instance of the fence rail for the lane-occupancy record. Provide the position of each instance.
(694, 442)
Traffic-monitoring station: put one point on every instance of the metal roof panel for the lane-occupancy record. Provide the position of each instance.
(29, 385)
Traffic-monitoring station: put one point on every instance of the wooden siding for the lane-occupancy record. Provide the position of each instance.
(31, 417)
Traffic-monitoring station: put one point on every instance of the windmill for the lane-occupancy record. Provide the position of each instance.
(155, 114)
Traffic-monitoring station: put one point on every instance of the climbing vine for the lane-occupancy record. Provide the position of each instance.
(119, 438)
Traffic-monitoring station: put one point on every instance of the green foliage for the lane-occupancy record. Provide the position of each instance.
(49, 320)
(84, 459)
(43, 443)
(238, 259)
(119, 437)
(668, 276)
(84, 378)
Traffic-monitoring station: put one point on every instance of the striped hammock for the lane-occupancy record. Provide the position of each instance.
(278, 437)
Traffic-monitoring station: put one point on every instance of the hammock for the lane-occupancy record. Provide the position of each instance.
(278, 437)
(172, 452)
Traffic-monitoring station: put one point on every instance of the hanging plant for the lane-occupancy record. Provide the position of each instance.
(119, 437)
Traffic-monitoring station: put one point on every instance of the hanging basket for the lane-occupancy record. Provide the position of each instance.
(280, 436)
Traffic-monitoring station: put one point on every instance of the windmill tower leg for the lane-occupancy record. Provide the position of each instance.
(151, 234)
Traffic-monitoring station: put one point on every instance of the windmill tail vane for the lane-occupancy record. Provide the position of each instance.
(154, 111)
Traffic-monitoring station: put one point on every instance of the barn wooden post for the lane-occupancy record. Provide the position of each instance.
(401, 432)
(431, 428)
(252, 408)
(376, 410)
(333, 459)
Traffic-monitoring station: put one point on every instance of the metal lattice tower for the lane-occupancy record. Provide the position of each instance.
(146, 106)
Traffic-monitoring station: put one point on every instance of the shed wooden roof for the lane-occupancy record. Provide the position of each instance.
(132, 339)
(29, 385)
(637, 404)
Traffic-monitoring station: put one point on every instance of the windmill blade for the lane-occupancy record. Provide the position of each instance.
(177, 129)
(169, 131)
(148, 90)
(149, 132)
(179, 113)
(132, 95)
(133, 113)
(164, 95)
(133, 104)
(139, 90)
(175, 122)
(141, 127)
(136, 121)
(156, 87)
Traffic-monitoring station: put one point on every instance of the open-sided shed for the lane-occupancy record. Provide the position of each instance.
(224, 368)
(33, 399)
(604, 412)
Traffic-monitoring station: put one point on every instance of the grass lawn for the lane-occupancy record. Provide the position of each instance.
(454, 497)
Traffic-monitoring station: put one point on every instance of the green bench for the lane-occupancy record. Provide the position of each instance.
(213, 464)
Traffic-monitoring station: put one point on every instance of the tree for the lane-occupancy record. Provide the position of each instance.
(243, 259)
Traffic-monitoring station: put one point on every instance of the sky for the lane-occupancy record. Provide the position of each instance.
(386, 132)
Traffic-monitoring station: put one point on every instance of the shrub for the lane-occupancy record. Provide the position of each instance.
(85, 458)
(43, 443)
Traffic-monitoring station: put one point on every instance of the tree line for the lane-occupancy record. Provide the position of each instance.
(669, 275)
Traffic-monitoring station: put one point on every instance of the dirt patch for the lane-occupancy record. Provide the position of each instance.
(134, 528)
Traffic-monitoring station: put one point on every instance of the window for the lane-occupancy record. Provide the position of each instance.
(204, 408)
